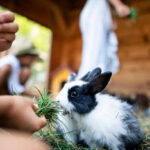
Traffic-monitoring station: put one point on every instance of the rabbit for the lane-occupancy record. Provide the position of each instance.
(95, 119)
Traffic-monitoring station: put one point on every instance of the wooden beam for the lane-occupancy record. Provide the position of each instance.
(59, 16)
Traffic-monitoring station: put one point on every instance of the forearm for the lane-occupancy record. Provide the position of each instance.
(122, 9)
(5, 72)
(116, 3)
(5, 104)
(20, 141)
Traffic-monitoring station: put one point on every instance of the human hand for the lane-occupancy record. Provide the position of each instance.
(122, 10)
(21, 115)
(7, 30)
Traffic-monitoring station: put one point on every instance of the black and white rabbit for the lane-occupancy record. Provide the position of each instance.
(98, 120)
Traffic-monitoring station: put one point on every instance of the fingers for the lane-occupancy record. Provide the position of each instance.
(35, 107)
(4, 45)
(7, 36)
(42, 122)
(8, 27)
(124, 13)
(123, 10)
(38, 122)
(7, 17)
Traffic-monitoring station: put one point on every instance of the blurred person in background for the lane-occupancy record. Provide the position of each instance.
(17, 112)
(15, 68)
(99, 40)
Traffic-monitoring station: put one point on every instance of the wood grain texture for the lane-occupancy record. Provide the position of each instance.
(134, 53)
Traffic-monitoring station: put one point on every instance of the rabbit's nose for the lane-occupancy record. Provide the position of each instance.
(58, 101)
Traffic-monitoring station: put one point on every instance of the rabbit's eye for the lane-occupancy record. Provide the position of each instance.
(74, 94)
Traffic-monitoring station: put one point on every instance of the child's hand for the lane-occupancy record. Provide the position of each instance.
(7, 30)
(122, 10)
(21, 115)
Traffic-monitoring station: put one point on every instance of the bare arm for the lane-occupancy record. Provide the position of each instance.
(4, 74)
(5, 104)
(122, 9)
(115, 3)
(20, 141)
(23, 77)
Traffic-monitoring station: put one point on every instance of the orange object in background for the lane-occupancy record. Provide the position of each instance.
(58, 78)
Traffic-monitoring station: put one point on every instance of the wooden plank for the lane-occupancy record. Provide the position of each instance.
(132, 52)
(130, 82)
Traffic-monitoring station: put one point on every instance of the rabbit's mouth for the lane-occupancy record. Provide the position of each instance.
(64, 111)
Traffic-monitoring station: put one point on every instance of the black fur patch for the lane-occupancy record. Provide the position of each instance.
(83, 144)
(81, 99)
(134, 134)
(129, 145)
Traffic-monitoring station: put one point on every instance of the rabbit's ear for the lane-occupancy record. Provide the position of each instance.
(85, 77)
(72, 77)
(92, 75)
(98, 84)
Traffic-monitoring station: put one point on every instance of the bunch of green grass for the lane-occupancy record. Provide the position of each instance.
(133, 13)
(47, 107)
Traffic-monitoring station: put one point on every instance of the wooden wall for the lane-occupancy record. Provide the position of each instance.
(134, 53)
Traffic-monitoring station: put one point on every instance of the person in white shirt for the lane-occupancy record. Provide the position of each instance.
(15, 68)
(99, 40)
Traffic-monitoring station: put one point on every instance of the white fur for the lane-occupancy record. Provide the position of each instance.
(68, 125)
(66, 122)
(104, 122)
